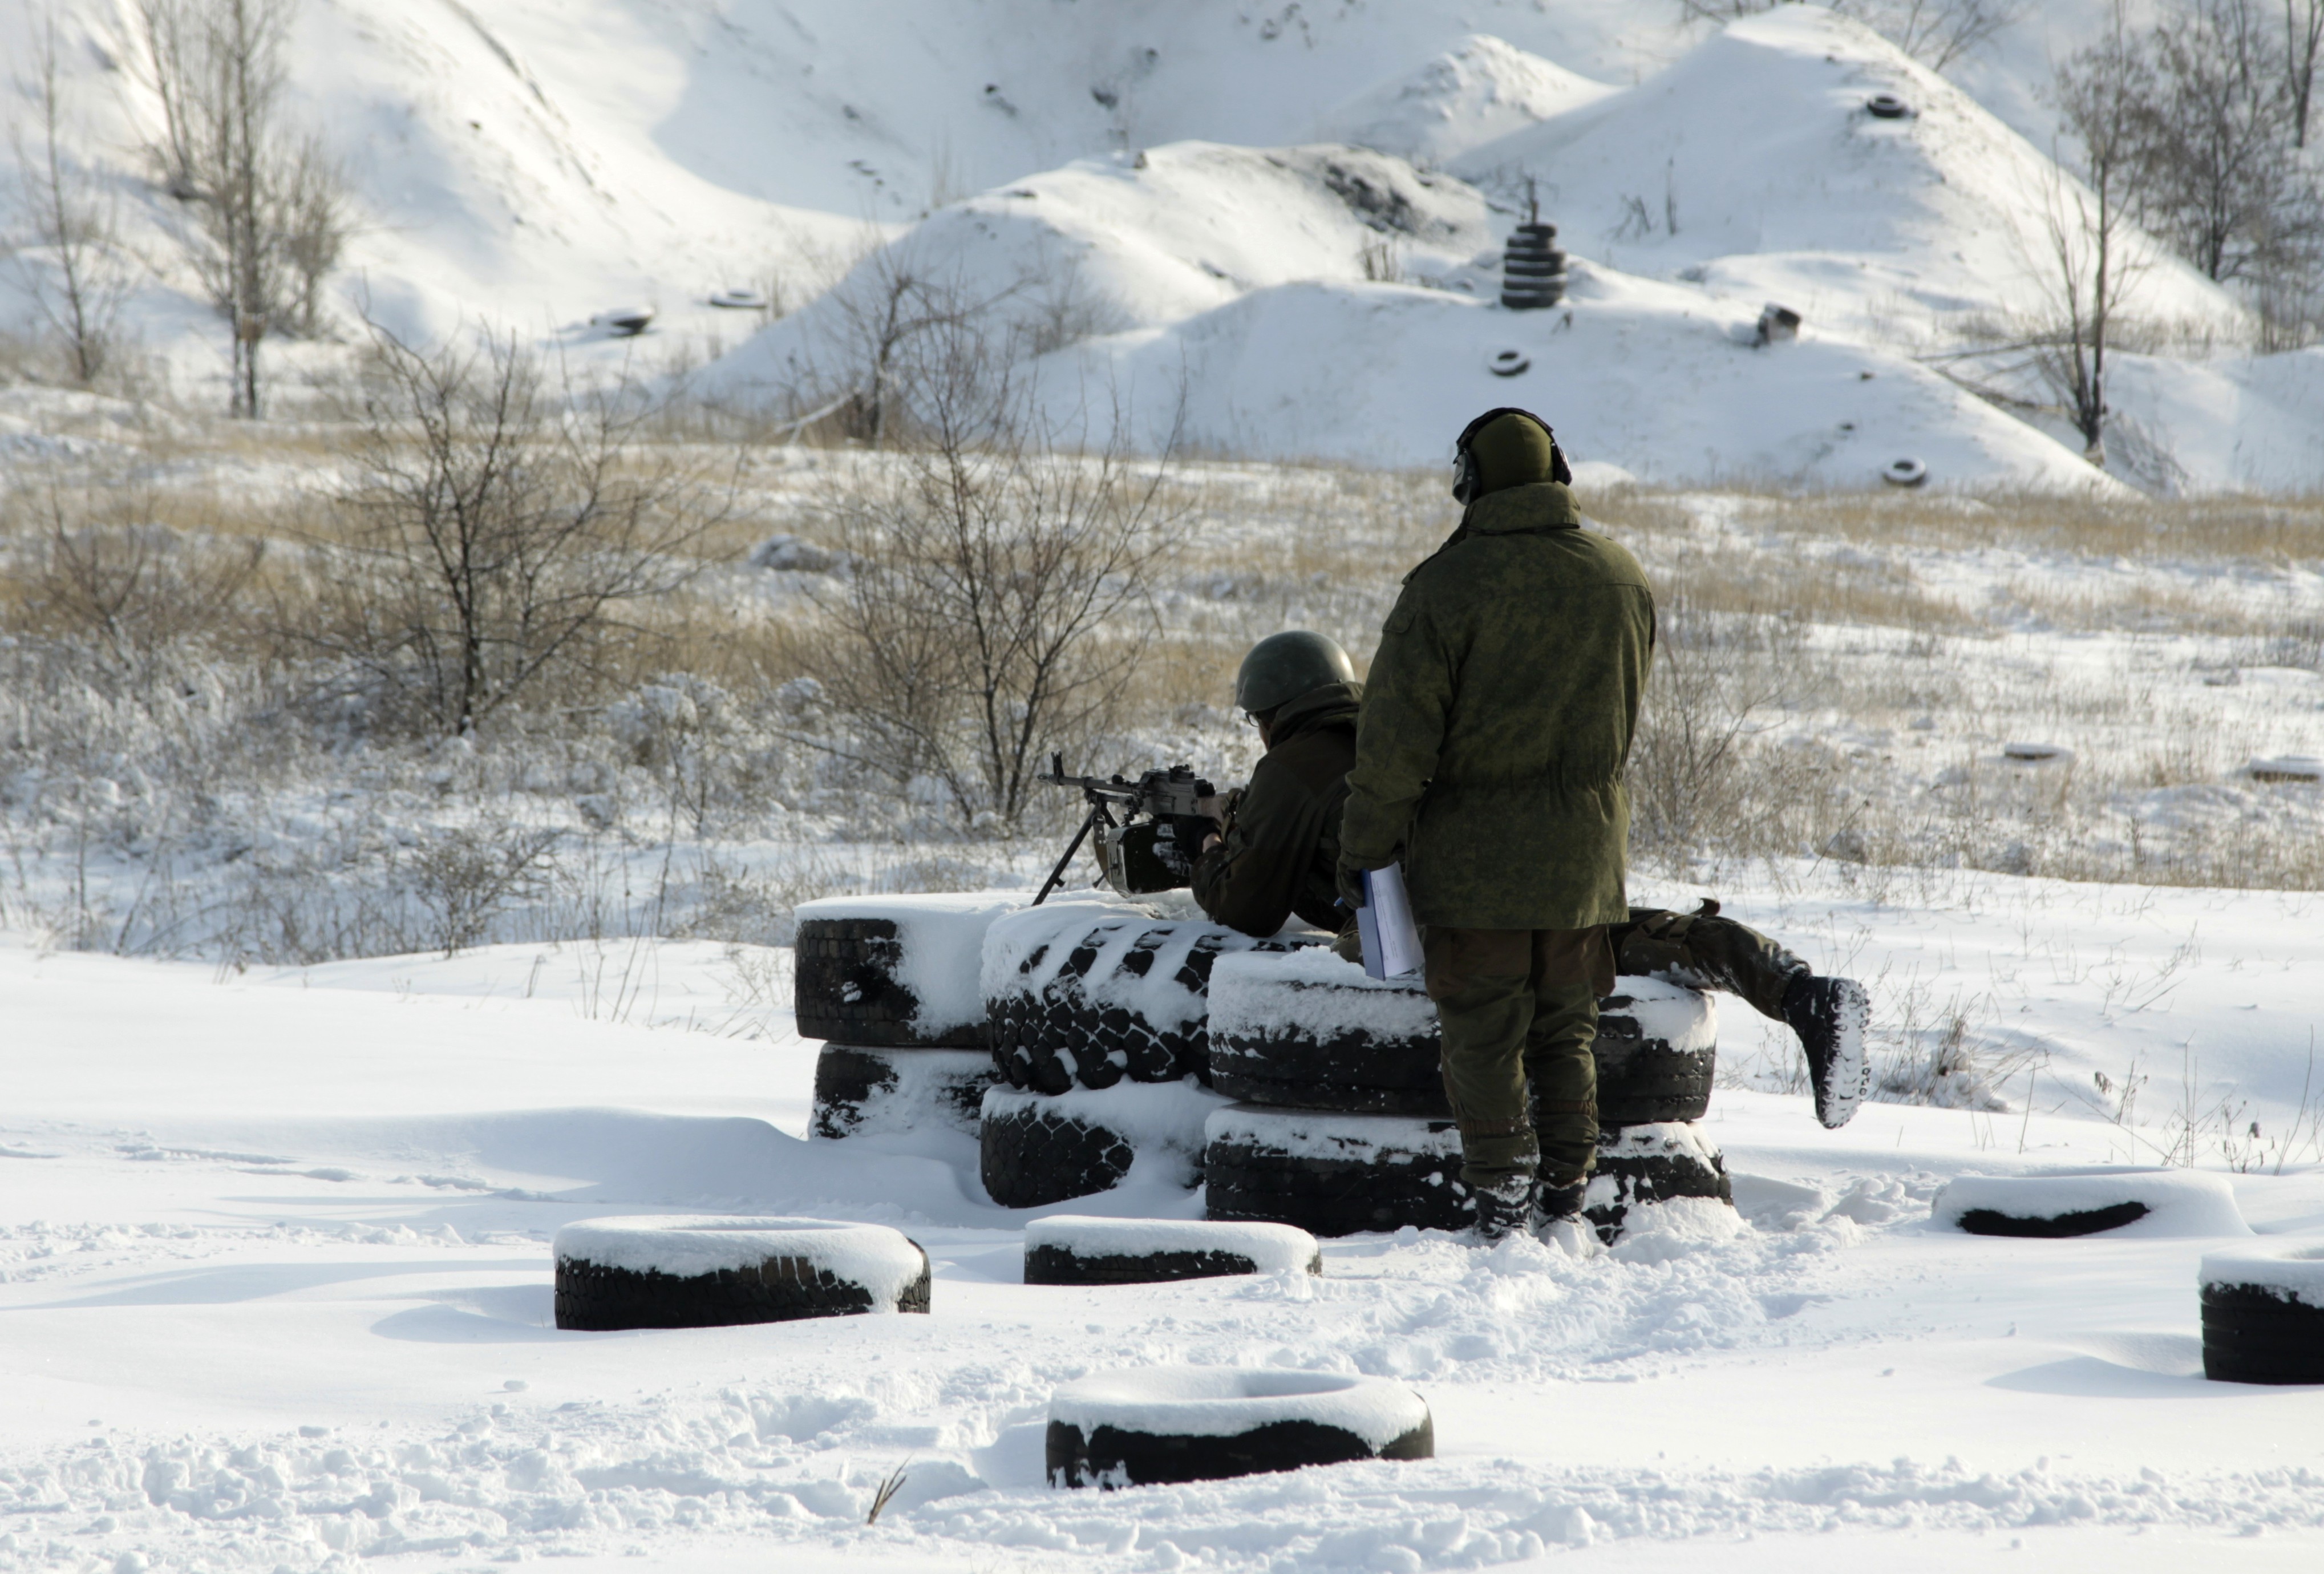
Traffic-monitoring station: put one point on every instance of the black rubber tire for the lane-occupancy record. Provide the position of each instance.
(1380, 1187)
(1640, 1081)
(1532, 265)
(1033, 1152)
(1534, 234)
(2053, 1226)
(1532, 300)
(850, 1080)
(844, 988)
(2255, 1333)
(1680, 1165)
(1113, 1455)
(1049, 1037)
(591, 1296)
(1056, 1265)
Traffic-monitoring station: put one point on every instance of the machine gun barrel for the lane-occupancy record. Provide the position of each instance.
(1174, 794)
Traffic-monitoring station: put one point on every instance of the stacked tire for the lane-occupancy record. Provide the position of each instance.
(1533, 270)
(1342, 1124)
(1097, 1011)
(893, 985)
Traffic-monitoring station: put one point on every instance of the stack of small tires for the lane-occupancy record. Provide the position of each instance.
(1096, 1009)
(1342, 1123)
(1533, 270)
(893, 985)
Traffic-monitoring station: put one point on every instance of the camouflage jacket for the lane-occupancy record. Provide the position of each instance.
(1281, 844)
(1496, 722)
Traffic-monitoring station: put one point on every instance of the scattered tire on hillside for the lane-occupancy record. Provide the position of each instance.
(1158, 1424)
(2062, 1205)
(1331, 1173)
(1090, 994)
(863, 1091)
(1307, 1030)
(1035, 1149)
(1642, 1165)
(702, 1271)
(2264, 1313)
(1071, 1249)
(896, 972)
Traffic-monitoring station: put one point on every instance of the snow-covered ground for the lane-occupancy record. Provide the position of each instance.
(277, 1290)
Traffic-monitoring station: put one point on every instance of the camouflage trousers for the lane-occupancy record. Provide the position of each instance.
(1518, 1009)
(1711, 953)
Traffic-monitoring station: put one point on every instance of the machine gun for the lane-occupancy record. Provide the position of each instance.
(1153, 845)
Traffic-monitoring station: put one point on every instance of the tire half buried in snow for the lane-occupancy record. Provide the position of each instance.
(1307, 1030)
(861, 1091)
(2264, 1313)
(1642, 1165)
(1033, 1149)
(1070, 1249)
(706, 1271)
(896, 972)
(1159, 1424)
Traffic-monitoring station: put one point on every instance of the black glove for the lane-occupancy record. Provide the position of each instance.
(1351, 885)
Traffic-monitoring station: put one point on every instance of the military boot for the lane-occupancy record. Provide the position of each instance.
(1504, 1206)
(1553, 1203)
(1830, 1016)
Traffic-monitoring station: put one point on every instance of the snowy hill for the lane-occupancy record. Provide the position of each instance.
(515, 164)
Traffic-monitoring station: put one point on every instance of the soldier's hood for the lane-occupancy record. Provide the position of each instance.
(1533, 506)
(1333, 703)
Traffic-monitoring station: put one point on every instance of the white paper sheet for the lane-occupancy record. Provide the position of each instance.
(1391, 940)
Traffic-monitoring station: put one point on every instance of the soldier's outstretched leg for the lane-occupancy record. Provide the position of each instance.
(1481, 980)
(1830, 1015)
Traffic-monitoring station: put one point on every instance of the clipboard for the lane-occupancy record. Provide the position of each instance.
(1384, 923)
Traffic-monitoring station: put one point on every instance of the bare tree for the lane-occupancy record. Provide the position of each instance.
(2303, 36)
(271, 207)
(2103, 93)
(2218, 174)
(998, 597)
(81, 288)
(497, 534)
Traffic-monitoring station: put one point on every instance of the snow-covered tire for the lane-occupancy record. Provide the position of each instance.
(1308, 1030)
(1154, 1425)
(1657, 1050)
(861, 1090)
(895, 972)
(1331, 1173)
(2264, 1313)
(1066, 1248)
(1034, 1149)
(702, 1271)
(1642, 1165)
(1091, 994)
(2059, 1206)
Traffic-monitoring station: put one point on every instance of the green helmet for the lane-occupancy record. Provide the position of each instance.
(1283, 667)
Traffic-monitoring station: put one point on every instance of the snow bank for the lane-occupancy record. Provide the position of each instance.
(2294, 1270)
(883, 1261)
(1327, 1135)
(941, 939)
(1311, 993)
(1273, 1249)
(2178, 1203)
(1223, 1402)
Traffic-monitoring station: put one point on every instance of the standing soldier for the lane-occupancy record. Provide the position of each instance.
(1495, 725)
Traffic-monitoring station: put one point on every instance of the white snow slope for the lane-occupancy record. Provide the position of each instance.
(533, 164)
(275, 1281)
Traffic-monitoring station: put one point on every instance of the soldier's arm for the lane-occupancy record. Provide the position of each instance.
(1398, 735)
(1248, 880)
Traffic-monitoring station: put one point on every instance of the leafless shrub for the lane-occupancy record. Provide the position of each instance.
(999, 597)
(496, 536)
(466, 875)
(70, 260)
(269, 207)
